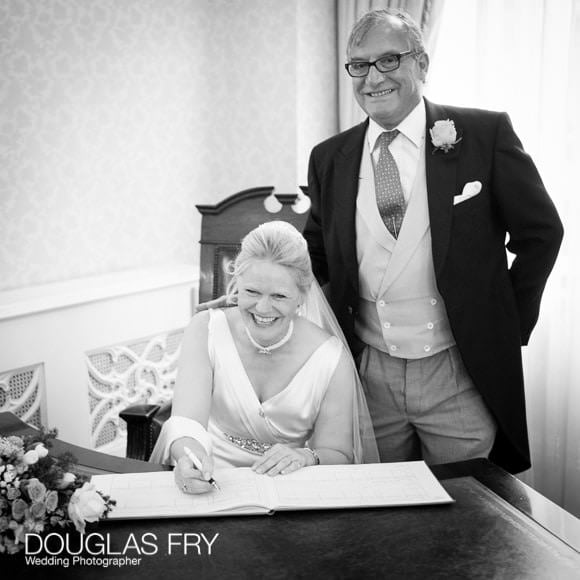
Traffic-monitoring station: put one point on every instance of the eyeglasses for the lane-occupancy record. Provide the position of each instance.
(387, 63)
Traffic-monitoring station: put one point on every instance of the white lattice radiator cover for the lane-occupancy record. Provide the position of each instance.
(22, 392)
(140, 371)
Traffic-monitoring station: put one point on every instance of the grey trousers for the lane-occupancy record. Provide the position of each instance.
(425, 408)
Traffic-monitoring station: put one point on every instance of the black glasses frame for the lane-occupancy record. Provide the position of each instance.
(377, 65)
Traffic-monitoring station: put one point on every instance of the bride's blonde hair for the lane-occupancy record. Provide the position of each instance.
(278, 242)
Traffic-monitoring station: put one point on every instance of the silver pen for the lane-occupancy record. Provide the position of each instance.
(198, 466)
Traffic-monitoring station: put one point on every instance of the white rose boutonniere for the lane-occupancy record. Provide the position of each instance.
(444, 135)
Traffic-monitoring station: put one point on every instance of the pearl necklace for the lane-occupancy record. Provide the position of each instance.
(268, 349)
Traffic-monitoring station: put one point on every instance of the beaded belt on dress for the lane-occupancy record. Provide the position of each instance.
(250, 445)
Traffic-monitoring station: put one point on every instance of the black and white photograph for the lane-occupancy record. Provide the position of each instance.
(289, 289)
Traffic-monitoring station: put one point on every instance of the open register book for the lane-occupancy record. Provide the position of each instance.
(243, 492)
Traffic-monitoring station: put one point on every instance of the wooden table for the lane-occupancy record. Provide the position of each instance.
(497, 528)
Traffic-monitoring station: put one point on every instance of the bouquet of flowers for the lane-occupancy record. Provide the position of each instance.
(39, 491)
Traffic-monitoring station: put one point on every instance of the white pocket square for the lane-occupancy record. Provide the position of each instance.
(470, 190)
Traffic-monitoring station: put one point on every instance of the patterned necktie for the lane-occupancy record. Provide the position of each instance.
(390, 198)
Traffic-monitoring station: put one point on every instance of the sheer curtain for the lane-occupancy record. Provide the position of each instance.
(425, 12)
(522, 56)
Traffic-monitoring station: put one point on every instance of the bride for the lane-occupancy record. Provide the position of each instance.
(263, 384)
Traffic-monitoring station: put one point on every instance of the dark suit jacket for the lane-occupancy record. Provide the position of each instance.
(492, 308)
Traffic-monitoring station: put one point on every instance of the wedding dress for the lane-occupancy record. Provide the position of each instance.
(239, 424)
(242, 428)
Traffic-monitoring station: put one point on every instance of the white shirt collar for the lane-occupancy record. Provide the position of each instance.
(412, 127)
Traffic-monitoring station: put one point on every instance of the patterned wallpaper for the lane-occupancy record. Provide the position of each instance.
(118, 116)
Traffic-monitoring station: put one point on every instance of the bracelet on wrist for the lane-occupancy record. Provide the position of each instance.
(314, 455)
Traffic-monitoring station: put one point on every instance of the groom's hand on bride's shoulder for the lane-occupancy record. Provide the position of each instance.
(220, 302)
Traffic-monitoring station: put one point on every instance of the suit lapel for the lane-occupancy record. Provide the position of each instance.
(441, 174)
(346, 174)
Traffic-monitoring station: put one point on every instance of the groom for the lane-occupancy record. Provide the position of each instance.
(408, 224)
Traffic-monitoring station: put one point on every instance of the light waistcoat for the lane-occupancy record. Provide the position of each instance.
(400, 310)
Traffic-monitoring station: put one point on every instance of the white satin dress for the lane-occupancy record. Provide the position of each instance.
(240, 426)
